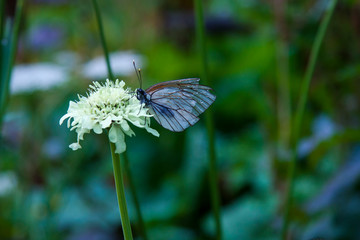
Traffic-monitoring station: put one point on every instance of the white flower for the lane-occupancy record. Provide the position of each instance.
(8, 182)
(37, 76)
(107, 106)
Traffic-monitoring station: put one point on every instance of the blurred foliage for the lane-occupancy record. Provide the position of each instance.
(48, 191)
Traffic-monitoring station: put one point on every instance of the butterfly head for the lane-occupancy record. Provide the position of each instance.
(142, 96)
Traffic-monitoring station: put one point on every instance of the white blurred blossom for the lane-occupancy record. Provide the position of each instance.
(121, 63)
(107, 106)
(38, 76)
(8, 182)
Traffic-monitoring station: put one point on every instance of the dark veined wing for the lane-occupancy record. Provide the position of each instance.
(177, 104)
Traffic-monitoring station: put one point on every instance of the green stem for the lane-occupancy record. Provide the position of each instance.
(127, 168)
(2, 25)
(213, 175)
(119, 184)
(102, 38)
(300, 112)
(283, 86)
(135, 199)
(6, 70)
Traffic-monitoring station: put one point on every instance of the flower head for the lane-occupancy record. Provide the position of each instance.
(107, 106)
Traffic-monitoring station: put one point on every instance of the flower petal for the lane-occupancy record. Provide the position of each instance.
(120, 147)
(106, 123)
(97, 129)
(152, 131)
(115, 134)
(125, 126)
(75, 146)
(63, 118)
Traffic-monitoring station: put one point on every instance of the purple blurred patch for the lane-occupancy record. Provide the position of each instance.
(13, 128)
(54, 148)
(322, 129)
(343, 180)
(46, 37)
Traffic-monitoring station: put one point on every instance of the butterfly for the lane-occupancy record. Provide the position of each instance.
(176, 104)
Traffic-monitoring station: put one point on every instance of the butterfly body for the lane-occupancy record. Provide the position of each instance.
(143, 97)
(176, 104)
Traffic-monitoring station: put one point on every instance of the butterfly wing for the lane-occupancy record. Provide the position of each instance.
(177, 104)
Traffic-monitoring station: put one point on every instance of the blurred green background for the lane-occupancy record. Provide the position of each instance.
(258, 52)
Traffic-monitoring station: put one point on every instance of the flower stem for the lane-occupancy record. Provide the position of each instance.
(213, 176)
(125, 222)
(102, 39)
(2, 26)
(127, 168)
(135, 199)
(300, 112)
(283, 84)
(8, 45)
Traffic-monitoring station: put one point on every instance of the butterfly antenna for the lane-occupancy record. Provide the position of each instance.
(140, 77)
(138, 73)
